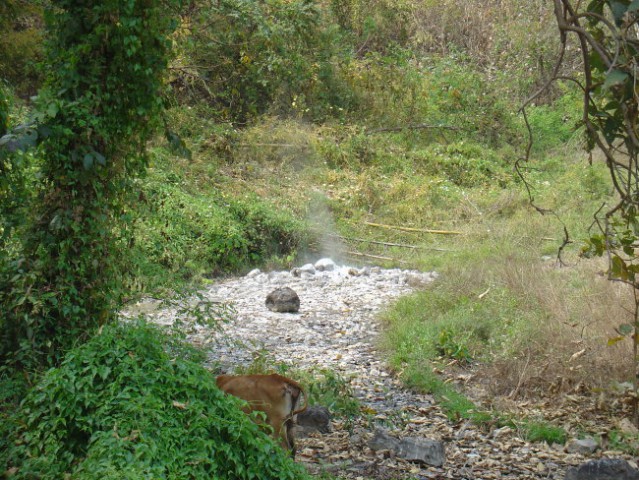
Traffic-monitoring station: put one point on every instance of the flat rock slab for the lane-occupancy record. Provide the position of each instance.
(422, 450)
(604, 469)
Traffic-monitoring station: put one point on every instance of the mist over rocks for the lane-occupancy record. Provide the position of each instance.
(334, 328)
(337, 308)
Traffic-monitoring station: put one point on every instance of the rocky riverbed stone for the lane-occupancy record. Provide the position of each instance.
(283, 300)
(603, 469)
(584, 446)
(423, 450)
(315, 418)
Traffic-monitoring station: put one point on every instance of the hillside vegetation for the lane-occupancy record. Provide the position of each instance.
(296, 129)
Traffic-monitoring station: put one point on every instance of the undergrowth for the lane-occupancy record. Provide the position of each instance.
(324, 386)
(186, 234)
(134, 403)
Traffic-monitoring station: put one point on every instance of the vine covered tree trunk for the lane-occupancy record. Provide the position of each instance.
(100, 103)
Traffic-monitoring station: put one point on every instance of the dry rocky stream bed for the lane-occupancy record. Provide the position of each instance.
(336, 328)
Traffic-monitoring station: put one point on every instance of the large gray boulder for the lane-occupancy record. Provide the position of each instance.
(283, 300)
(422, 450)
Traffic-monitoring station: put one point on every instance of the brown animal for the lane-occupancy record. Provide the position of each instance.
(277, 396)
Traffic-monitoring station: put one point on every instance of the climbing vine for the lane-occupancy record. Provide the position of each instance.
(100, 103)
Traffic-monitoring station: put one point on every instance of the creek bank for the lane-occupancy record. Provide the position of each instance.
(336, 328)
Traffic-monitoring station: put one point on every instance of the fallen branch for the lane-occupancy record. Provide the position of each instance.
(419, 126)
(283, 145)
(387, 244)
(376, 257)
(408, 229)
(482, 295)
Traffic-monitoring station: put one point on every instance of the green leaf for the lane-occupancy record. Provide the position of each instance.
(612, 341)
(619, 268)
(614, 78)
(52, 109)
(634, 6)
(99, 158)
(596, 6)
(88, 161)
(625, 329)
(618, 10)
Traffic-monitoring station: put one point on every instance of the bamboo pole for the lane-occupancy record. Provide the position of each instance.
(408, 229)
(376, 257)
(387, 244)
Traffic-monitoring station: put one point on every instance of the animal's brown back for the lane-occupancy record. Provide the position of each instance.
(265, 392)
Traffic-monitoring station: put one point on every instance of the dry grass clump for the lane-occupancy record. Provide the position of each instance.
(277, 144)
(567, 349)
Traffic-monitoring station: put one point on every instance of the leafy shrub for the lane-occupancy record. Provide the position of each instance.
(134, 403)
(330, 389)
(451, 344)
(189, 233)
(556, 124)
(254, 57)
(466, 164)
(374, 25)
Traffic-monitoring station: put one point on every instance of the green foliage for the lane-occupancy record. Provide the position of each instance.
(134, 403)
(555, 125)
(449, 320)
(536, 431)
(184, 232)
(330, 389)
(609, 55)
(250, 57)
(13, 388)
(374, 25)
(21, 45)
(456, 405)
(450, 346)
(64, 279)
(466, 165)
(4, 109)
(17, 175)
(434, 100)
(623, 441)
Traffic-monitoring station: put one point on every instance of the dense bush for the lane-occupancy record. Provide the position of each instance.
(375, 25)
(183, 232)
(100, 104)
(134, 403)
(247, 58)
